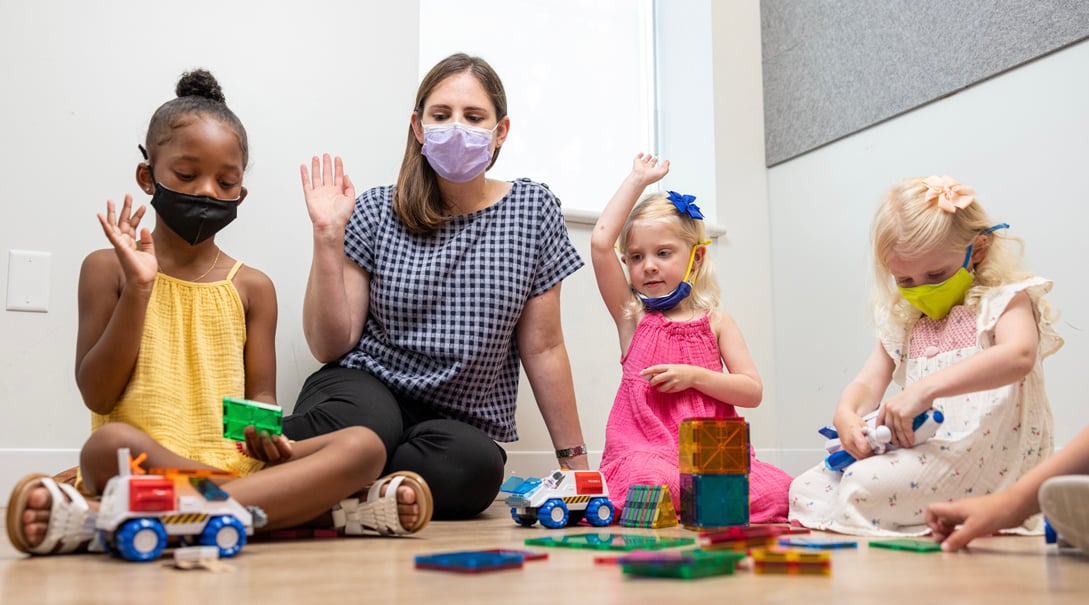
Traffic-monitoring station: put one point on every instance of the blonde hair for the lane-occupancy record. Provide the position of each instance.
(417, 200)
(657, 206)
(908, 225)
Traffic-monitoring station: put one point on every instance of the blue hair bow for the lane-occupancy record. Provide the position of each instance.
(686, 204)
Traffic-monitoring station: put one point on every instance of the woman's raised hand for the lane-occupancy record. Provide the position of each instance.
(137, 255)
(330, 195)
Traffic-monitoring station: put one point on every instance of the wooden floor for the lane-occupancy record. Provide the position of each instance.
(1000, 570)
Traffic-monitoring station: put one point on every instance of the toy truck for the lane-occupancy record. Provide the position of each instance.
(139, 512)
(562, 498)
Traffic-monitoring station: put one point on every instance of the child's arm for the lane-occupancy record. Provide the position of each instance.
(1011, 358)
(112, 306)
(259, 299)
(612, 283)
(740, 385)
(985, 515)
(336, 299)
(861, 397)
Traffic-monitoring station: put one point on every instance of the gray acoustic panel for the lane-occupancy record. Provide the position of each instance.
(834, 67)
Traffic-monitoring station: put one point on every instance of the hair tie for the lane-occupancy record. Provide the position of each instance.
(686, 205)
(948, 193)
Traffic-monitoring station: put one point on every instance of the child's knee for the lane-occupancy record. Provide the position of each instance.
(359, 444)
(98, 457)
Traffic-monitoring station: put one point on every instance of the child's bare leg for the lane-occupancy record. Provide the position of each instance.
(98, 458)
(322, 471)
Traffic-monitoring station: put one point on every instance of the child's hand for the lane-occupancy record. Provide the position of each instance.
(899, 413)
(671, 378)
(646, 170)
(269, 449)
(850, 426)
(980, 516)
(330, 195)
(137, 256)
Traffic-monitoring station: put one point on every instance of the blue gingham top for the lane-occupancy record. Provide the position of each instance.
(444, 306)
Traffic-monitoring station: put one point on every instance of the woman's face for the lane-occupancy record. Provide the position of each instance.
(460, 98)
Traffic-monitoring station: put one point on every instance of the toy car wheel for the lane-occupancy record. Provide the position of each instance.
(140, 539)
(107, 543)
(553, 514)
(526, 520)
(225, 533)
(600, 512)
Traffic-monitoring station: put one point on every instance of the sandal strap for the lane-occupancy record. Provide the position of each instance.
(377, 514)
(71, 521)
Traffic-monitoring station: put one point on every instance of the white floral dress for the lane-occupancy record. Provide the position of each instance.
(988, 440)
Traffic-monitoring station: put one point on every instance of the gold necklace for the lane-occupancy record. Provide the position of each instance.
(214, 263)
(200, 276)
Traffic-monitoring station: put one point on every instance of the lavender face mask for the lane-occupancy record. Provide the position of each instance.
(457, 152)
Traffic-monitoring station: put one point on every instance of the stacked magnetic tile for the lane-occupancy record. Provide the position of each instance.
(648, 506)
(741, 538)
(714, 467)
(685, 564)
(793, 562)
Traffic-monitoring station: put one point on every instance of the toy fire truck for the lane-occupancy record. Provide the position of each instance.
(139, 512)
(560, 499)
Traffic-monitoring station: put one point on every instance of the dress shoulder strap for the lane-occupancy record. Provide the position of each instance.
(234, 269)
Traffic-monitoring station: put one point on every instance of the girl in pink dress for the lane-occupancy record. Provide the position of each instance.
(681, 356)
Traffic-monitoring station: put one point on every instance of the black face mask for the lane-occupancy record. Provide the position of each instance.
(194, 218)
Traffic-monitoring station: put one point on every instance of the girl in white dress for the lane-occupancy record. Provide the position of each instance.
(962, 328)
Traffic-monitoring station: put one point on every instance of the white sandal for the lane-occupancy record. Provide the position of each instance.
(378, 513)
(71, 520)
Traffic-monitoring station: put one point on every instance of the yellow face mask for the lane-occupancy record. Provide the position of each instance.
(937, 300)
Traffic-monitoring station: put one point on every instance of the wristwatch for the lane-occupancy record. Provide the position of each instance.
(571, 452)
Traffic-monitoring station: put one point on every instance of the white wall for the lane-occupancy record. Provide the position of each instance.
(81, 80)
(1019, 140)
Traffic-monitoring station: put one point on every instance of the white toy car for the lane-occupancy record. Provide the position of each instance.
(139, 512)
(560, 499)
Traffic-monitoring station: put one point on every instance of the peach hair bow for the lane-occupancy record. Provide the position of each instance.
(949, 194)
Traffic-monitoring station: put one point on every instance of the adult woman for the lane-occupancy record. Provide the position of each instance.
(424, 297)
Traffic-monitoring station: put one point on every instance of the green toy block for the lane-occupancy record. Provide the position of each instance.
(240, 413)
(685, 564)
(908, 544)
(610, 541)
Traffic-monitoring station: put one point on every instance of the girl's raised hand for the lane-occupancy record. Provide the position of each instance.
(270, 449)
(646, 169)
(137, 255)
(330, 195)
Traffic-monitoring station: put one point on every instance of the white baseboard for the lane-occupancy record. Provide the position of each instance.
(17, 462)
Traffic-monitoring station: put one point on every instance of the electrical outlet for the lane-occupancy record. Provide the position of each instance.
(28, 280)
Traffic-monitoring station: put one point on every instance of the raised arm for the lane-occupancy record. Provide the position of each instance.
(612, 283)
(335, 302)
(114, 289)
(544, 356)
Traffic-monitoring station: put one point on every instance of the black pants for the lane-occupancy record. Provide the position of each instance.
(462, 465)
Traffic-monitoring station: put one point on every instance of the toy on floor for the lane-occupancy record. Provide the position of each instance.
(925, 426)
(240, 413)
(714, 466)
(649, 506)
(200, 557)
(742, 538)
(817, 543)
(686, 564)
(791, 562)
(472, 561)
(609, 541)
(139, 511)
(907, 544)
(562, 498)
